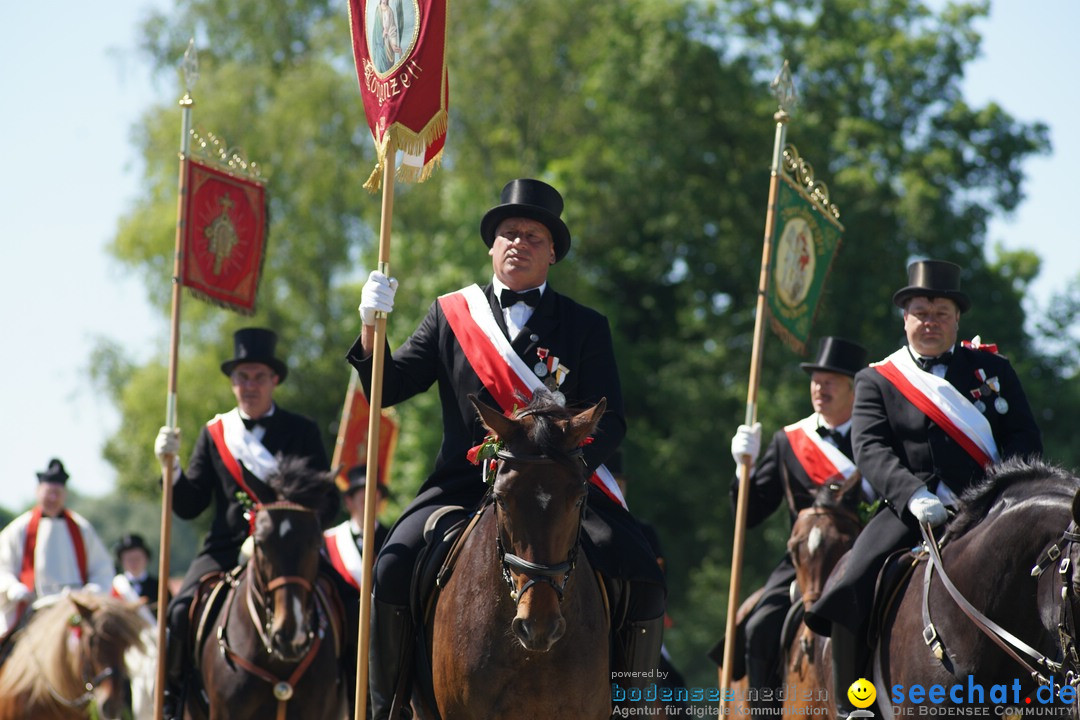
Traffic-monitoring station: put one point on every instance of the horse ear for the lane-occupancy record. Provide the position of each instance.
(85, 611)
(583, 424)
(849, 484)
(493, 420)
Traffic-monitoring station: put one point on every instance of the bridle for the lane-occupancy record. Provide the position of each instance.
(90, 686)
(845, 520)
(536, 572)
(257, 600)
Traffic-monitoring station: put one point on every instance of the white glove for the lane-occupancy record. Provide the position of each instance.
(377, 296)
(927, 507)
(747, 441)
(19, 592)
(168, 443)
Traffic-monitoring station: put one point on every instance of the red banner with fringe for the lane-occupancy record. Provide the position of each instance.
(223, 237)
(399, 47)
(353, 436)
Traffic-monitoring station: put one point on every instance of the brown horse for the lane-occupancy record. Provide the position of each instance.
(1011, 555)
(68, 661)
(520, 629)
(273, 650)
(822, 533)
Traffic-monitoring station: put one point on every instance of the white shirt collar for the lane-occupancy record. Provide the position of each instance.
(499, 286)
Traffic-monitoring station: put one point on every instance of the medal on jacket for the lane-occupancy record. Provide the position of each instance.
(541, 368)
(552, 372)
(990, 387)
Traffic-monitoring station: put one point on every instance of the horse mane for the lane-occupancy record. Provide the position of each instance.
(548, 427)
(295, 482)
(977, 501)
(41, 658)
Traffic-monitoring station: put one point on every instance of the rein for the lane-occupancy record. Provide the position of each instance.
(89, 685)
(256, 600)
(1012, 645)
(536, 572)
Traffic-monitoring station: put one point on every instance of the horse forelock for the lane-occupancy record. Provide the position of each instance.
(1013, 480)
(544, 423)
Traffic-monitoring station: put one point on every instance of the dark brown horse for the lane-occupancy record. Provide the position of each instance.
(273, 650)
(68, 661)
(520, 629)
(822, 533)
(1011, 554)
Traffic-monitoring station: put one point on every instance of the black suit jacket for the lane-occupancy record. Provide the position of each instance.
(778, 469)
(206, 480)
(899, 449)
(579, 336)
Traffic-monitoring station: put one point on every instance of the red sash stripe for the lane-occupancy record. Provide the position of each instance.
(217, 434)
(26, 572)
(339, 564)
(932, 411)
(816, 464)
(494, 373)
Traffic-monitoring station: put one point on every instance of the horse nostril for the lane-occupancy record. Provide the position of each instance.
(521, 630)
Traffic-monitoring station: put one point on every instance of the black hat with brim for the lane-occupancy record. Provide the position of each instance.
(131, 541)
(55, 473)
(255, 345)
(534, 200)
(837, 355)
(356, 479)
(933, 279)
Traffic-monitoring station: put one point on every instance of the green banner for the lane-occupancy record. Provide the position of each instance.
(806, 243)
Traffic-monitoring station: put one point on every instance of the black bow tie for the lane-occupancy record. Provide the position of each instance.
(508, 297)
(928, 363)
(250, 423)
(825, 432)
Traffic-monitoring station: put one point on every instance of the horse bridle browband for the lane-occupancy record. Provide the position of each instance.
(536, 572)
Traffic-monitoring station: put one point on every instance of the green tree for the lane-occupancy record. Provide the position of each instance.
(654, 119)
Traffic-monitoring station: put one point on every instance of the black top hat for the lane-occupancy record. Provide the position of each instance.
(357, 479)
(531, 199)
(838, 355)
(255, 345)
(131, 541)
(933, 279)
(55, 473)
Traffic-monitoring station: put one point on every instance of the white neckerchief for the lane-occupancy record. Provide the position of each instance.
(517, 314)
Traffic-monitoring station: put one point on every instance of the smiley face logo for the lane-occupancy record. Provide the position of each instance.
(862, 693)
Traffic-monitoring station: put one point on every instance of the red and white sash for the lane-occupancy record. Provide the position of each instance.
(822, 461)
(236, 445)
(344, 554)
(499, 368)
(941, 402)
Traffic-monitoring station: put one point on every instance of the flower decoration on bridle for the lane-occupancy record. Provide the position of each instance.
(485, 453)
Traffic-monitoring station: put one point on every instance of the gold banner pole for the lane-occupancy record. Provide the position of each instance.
(375, 414)
(190, 69)
(784, 89)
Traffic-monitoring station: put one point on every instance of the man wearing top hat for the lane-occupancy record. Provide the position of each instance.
(801, 458)
(928, 419)
(234, 455)
(48, 549)
(345, 542)
(518, 330)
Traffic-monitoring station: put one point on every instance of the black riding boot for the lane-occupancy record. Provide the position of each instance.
(638, 650)
(848, 657)
(176, 658)
(764, 682)
(391, 643)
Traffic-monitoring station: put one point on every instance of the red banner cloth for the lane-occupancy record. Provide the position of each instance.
(353, 438)
(223, 238)
(399, 47)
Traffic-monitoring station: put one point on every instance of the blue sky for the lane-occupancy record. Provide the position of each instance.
(72, 89)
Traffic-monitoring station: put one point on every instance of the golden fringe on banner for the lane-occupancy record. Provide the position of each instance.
(786, 336)
(411, 144)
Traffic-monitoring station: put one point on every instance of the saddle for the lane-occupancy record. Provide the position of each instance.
(897, 569)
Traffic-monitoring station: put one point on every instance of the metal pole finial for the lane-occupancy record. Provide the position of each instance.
(190, 66)
(783, 88)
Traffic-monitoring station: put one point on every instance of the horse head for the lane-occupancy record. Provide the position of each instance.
(285, 563)
(822, 533)
(539, 489)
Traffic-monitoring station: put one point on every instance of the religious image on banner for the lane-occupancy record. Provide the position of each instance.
(807, 240)
(223, 237)
(399, 48)
(353, 434)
